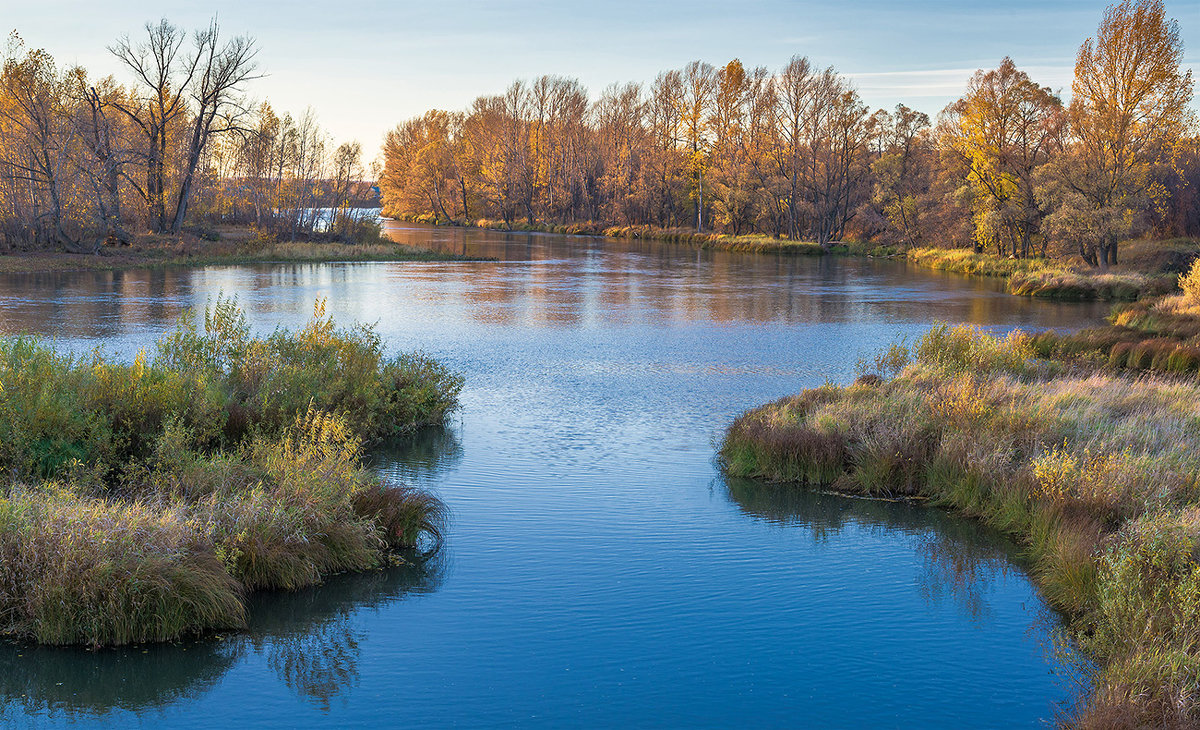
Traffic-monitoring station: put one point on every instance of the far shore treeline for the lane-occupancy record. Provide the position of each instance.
(174, 144)
(1010, 168)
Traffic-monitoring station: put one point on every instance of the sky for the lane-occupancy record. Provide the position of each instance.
(365, 66)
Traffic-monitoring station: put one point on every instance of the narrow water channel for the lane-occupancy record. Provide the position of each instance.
(598, 570)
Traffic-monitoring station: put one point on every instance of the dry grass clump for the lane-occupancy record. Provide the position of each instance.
(749, 243)
(1161, 335)
(1037, 277)
(966, 261)
(76, 569)
(1081, 286)
(190, 537)
(147, 499)
(1098, 475)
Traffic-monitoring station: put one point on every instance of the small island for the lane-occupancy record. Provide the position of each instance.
(149, 498)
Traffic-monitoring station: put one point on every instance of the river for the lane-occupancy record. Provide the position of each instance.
(598, 570)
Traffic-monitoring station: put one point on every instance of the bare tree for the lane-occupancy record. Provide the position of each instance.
(162, 73)
(200, 86)
(222, 70)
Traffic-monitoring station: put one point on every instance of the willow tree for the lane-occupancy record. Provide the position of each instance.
(1129, 112)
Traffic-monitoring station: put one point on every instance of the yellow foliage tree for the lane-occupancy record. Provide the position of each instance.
(1129, 110)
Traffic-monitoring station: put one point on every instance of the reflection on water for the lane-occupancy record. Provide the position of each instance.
(570, 281)
(962, 559)
(307, 636)
(91, 304)
(597, 570)
(420, 458)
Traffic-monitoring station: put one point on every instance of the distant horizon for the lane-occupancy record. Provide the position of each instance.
(362, 75)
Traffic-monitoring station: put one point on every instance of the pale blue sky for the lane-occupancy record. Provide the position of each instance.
(364, 66)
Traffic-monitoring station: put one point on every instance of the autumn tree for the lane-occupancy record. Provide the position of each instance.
(903, 172)
(222, 69)
(1002, 131)
(667, 161)
(732, 178)
(699, 81)
(1129, 111)
(623, 146)
(39, 151)
(419, 168)
(189, 92)
(838, 155)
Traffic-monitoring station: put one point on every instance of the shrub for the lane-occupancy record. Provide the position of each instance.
(1190, 284)
(968, 349)
(419, 391)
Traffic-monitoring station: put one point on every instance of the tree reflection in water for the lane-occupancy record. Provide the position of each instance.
(962, 558)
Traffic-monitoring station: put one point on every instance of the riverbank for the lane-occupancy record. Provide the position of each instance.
(147, 500)
(223, 245)
(1093, 472)
(1158, 334)
(1150, 267)
(751, 243)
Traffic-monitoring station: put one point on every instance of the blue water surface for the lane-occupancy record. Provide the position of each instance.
(598, 571)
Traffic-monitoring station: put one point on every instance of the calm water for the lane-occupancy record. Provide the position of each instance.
(598, 570)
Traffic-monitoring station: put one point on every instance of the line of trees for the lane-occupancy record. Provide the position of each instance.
(1007, 168)
(87, 161)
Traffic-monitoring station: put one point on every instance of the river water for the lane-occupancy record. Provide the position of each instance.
(598, 571)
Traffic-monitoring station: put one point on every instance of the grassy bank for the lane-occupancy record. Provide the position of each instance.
(1093, 472)
(222, 245)
(754, 243)
(1150, 268)
(146, 499)
(1151, 335)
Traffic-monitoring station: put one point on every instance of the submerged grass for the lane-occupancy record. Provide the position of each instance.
(147, 499)
(1097, 474)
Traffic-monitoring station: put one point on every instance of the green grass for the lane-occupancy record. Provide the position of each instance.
(146, 499)
(1094, 473)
